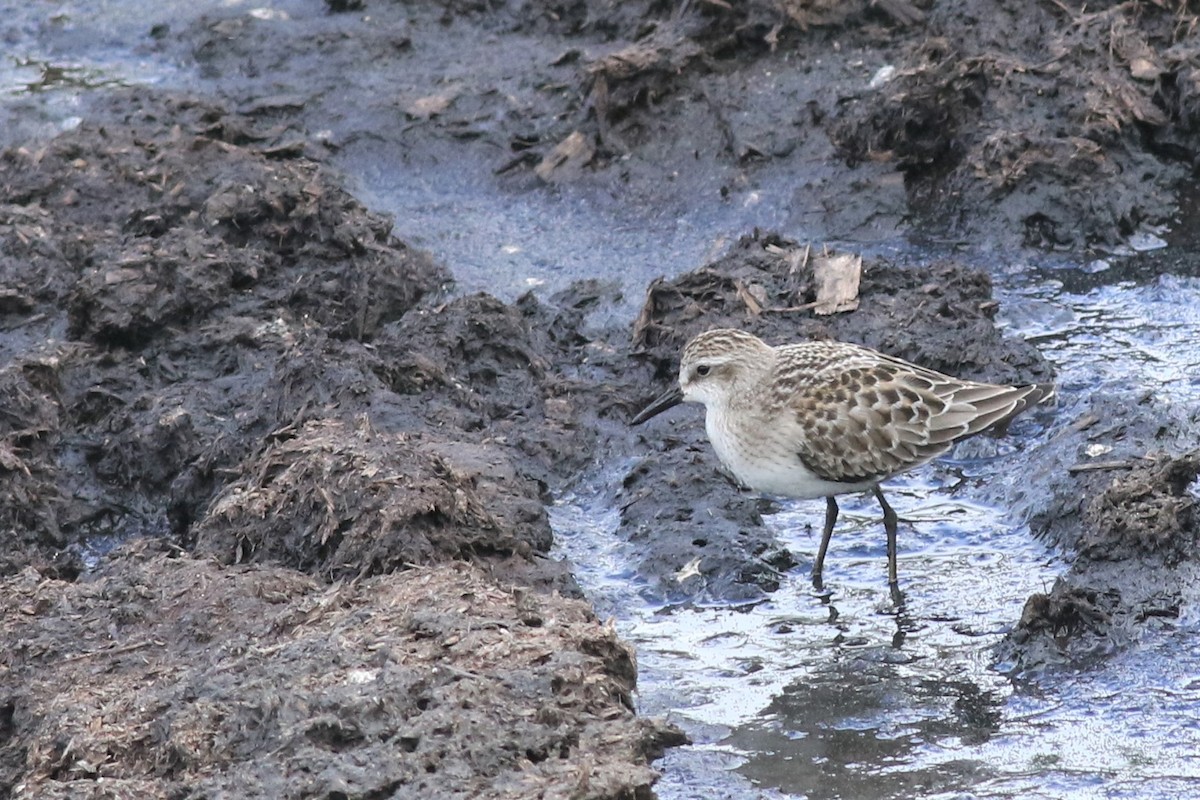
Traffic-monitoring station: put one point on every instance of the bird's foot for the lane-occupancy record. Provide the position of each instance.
(819, 587)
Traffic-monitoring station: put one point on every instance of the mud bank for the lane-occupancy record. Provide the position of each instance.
(216, 347)
(1119, 494)
(331, 472)
(345, 586)
(212, 345)
(1058, 125)
(264, 682)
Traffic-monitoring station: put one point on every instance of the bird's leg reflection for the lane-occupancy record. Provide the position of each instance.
(905, 624)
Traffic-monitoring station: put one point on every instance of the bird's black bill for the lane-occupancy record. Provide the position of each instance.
(668, 399)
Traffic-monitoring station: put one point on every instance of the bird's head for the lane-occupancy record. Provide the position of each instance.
(716, 366)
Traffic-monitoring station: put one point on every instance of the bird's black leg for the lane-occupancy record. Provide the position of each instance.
(889, 525)
(831, 515)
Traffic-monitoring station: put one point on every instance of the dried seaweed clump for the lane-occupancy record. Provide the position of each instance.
(337, 500)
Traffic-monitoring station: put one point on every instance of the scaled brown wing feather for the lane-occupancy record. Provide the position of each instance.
(852, 436)
(867, 421)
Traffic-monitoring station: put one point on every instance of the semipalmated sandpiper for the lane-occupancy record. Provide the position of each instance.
(820, 419)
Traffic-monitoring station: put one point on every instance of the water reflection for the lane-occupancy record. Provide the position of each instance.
(850, 727)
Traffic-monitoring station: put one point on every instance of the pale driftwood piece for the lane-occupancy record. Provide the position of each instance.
(837, 282)
(1100, 466)
(565, 159)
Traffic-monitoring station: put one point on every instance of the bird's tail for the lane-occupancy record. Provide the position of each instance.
(1008, 404)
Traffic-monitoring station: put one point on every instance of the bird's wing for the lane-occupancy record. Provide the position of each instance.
(864, 417)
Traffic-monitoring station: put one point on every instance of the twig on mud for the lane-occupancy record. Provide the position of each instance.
(1098, 466)
(791, 309)
(114, 651)
(1078, 426)
(1063, 8)
(746, 295)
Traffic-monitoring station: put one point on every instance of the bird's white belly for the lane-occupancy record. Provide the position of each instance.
(771, 463)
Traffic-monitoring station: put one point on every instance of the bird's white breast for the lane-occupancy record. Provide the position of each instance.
(765, 458)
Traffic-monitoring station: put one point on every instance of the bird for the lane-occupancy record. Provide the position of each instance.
(826, 418)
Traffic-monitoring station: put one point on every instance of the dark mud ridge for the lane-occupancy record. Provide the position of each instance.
(1059, 124)
(274, 506)
(326, 487)
(1130, 519)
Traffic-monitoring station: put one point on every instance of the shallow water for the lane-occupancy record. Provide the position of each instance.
(807, 694)
(839, 695)
(836, 694)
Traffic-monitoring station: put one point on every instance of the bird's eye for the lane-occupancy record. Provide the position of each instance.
(703, 370)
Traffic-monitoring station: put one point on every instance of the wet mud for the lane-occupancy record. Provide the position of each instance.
(1125, 508)
(263, 392)
(164, 675)
(274, 496)
(1059, 125)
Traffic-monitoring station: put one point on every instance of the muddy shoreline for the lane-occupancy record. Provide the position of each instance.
(275, 494)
